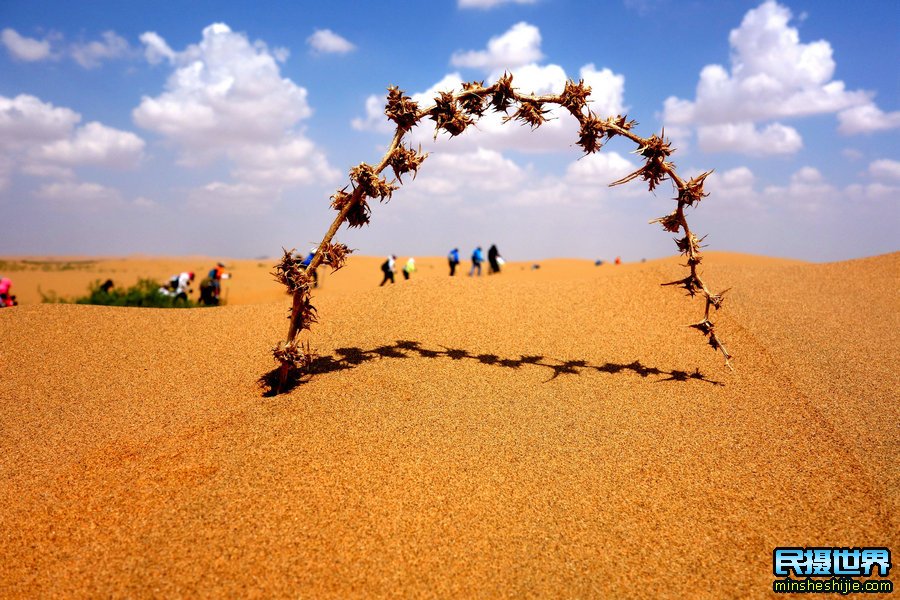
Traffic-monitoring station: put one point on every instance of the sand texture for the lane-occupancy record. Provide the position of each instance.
(551, 433)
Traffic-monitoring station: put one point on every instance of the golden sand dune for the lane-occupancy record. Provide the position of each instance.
(524, 435)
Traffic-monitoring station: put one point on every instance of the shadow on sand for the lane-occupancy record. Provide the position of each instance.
(350, 358)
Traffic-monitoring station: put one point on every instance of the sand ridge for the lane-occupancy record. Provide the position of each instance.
(516, 436)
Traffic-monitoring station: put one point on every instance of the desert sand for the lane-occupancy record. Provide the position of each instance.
(549, 433)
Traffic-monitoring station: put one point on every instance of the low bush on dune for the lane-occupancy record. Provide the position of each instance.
(145, 293)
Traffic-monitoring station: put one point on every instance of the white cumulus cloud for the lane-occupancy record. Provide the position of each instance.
(25, 48)
(560, 131)
(226, 98)
(79, 195)
(520, 45)
(90, 54)
(808, 190)
(233, 198)
(328, 42)
(599, 169)
(773, 75)
(155, 48)
(483, 169)
(746, 138)
(224, 91)
(39, 139)
(25, 120)
(867, 118)
(96, 144)
(87, 54)
(885, 169)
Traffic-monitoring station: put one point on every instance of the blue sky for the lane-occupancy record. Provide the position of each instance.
(223, 127)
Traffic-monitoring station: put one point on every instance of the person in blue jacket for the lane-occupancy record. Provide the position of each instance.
(477, 259)
(453, 260)
(305, 263)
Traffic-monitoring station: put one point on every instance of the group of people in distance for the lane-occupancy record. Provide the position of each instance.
(388, 268)
(179, 286)
(495, 261)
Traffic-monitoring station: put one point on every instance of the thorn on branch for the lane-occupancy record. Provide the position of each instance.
(447, 115)
(655, 148)
(717, 300)
(401, 109)
(693, 190)
(306, 313)
(335, 255)
(708, 329)
(290, 273)
(530, 112)
(620, 122)
(403, 160)
(372, 185)
(655, 168)
(340, 199)
(670, 222)
(650, 172)
(503, 94)
(690, 284)
(574, 97)
(705, 326)
(689, 244)
(358, 215)
(294, 355)
(472, 99)
(590, 134)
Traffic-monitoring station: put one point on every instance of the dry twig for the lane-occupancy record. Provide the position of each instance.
(454, 113)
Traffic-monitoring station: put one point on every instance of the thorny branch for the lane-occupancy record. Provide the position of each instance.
(454, 113)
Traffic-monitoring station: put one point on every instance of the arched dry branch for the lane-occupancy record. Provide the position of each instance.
(453, 113)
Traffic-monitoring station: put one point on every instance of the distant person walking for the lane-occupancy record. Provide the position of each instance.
(409, 268)
(477, 259)
(453, 260)
(618, 260)
(494, 259)
(387, 267)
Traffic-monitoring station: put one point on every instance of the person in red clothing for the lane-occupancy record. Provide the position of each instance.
(6, 299)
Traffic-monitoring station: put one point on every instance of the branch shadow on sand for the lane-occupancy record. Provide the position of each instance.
(350, 358)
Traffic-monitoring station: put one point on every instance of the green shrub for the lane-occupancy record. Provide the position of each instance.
(145, 293)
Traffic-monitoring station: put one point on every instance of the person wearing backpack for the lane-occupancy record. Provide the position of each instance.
(453, 260)
(477, 259)
(214, 281)
(387, 267)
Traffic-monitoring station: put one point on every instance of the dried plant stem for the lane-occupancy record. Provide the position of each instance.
(453, 113)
